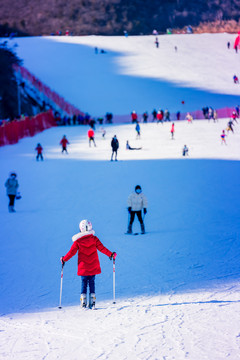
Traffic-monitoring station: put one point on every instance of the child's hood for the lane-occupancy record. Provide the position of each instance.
(81, 234)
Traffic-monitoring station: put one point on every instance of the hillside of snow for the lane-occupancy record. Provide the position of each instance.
(133, 74)
(177, 286)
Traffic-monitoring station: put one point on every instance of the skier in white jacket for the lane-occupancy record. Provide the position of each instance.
(136, 202)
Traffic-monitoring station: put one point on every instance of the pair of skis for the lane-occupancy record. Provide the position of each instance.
(114, 285)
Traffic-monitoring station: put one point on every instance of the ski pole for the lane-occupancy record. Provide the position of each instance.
(114, 302)
(60, 300)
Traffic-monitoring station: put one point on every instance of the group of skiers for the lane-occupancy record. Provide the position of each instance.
(158, 116)
(210, 113)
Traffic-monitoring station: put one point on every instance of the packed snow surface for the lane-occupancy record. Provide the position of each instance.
(177, 286)
(133, 74)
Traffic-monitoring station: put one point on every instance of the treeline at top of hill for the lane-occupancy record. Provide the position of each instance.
(113, 17)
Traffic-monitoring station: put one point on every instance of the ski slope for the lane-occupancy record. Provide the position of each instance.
(177, 286)
(133, 74)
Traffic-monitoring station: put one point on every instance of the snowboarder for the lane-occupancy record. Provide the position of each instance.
(64, 143)
(12, 186)
(223, 135)
(136, 202)
(115, 146)
(137, 128)
(172, 131)
(86, 244)
(91, 137)
(128, 147)
(185, 150)
(39, 150)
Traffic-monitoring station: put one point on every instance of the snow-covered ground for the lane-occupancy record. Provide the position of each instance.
(177, 286)
(134, 74)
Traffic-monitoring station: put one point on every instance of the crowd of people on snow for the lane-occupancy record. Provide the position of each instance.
(159, 116)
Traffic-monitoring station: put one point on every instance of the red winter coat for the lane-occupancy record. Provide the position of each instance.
(88, 261)
(90, 133)
(39, 149)
(64, 142)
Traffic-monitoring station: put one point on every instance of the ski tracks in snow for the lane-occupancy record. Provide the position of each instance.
(146, 328)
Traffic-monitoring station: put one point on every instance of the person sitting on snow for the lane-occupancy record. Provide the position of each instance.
(128, 147)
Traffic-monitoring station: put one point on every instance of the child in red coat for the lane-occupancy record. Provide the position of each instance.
(39, 150)
(87, 244)
(64, 143)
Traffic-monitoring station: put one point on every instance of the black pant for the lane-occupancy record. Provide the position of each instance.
(139, 215)
(11, 199)
(39, 156)
(114, 152)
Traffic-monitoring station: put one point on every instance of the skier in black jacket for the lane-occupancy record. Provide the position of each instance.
(115, 146)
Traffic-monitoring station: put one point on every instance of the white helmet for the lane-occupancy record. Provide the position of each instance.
(85, 225)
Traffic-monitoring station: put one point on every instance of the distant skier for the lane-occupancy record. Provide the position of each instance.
(115, 146)
(64, 142)
(103, 132)
(215, 116)
(235, 79)
(134, 116)
(136, 202)
(189, 118)
(128, 147)
(145, 117)
(210, 113)
(234, 116)
(172, 130)
(91, 137)
(223, 137)
(167, 115)
(230, 126)
(138, 130)
(86, 244)
(12, 185)
(237, 110)
(157, 42)
(160, 116)
(154, 115)
(178, 114)
(39, 150)
(185, 150)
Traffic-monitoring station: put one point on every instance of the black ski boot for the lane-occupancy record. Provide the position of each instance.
(129, 230)
(142, 229)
